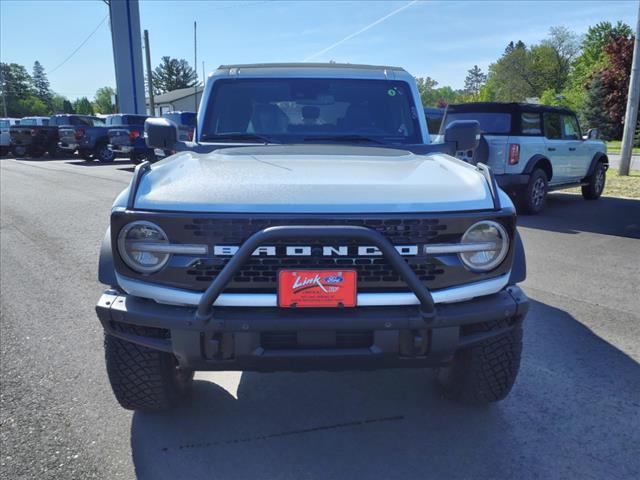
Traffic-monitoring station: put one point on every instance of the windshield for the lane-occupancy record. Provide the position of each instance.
(490, 123)
(289, 110)
(29, 121)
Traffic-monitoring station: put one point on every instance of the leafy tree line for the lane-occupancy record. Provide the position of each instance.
(27, 94)
(589, 74)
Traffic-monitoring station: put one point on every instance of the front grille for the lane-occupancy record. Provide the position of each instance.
(322, 340)
(259, 274)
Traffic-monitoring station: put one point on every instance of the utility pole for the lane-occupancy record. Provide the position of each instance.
(4, 93)
(152, 105)
(195, 66)
(633, 99)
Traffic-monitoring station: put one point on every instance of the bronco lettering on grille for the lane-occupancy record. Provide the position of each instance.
(307, 251)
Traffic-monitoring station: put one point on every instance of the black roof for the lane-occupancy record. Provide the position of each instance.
(506, 107)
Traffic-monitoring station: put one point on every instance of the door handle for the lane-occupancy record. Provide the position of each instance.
(551, 149)
(572, 149)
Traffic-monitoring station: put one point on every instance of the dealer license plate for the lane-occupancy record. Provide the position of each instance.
(317, 288)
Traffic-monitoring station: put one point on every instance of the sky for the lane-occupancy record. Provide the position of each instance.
(440, 39)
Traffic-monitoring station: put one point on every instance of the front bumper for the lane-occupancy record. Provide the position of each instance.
(237, 338)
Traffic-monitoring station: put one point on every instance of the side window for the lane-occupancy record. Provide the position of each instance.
(531, 124)
(552, 126)
(45, 121)
(571, 127)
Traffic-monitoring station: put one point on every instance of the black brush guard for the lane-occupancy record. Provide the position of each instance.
(205, 311)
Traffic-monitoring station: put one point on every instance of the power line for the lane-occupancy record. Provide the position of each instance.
(79, 46)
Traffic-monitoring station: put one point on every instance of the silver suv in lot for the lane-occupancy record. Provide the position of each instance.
(533, 149)
(311, 225)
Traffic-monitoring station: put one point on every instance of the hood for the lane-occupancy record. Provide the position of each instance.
(312, 179)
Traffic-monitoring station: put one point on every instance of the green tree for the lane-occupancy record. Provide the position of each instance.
(15, 85)
(173, 74)
(82, 106)
(426, 88)
(33, 105)
(595, 111)
(41, 84)
(564, 47)
(102, 100)
(475, 80)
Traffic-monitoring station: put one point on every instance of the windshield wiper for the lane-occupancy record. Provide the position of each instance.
(239, 137)
(343, 138)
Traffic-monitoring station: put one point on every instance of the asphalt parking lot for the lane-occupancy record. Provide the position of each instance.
(574, 411)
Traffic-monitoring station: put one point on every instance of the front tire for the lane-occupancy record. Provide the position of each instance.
(19, 151)
(486, 371)
(533, 198)
(104, 155)
(596, 182)
(142, 378)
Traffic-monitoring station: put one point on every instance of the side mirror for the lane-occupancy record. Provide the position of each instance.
(593, 134)
(464, 134)
(160, 133)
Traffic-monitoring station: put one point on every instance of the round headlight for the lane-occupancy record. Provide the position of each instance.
(136, 243)
(492, 242)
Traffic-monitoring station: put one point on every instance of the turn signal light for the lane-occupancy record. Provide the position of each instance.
(133, 134)
(79, 133)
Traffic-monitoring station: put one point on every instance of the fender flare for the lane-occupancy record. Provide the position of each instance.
(106, 268)
(597, 158)
(531, 163)
(519, 266)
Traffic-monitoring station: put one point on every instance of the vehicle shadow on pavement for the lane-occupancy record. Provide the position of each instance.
(570, 213)
(572, 413)
(96, 163)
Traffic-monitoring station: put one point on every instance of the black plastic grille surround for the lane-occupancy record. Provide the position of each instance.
(259, 275)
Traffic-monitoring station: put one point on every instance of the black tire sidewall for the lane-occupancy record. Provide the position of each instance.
(527, 202)
(590, 191)
(99, 154)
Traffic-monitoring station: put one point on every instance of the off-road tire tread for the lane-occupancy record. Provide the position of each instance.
(523, 200)
(588, 191)
(142, 378)
(485, 372)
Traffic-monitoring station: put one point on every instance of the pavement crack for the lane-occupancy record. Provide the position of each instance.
(286, 433)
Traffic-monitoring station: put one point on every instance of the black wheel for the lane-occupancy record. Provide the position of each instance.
(55, 151)
(596, 182)
(19, 150)
(85, 154)
(104, 155)
(533, 198)
(485, 372)
(4, 151)
(142, 378)
(142, 157)
(36, 152)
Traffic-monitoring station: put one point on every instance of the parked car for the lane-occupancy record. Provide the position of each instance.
(32, 137)
(126, 136)
(434, 118)
(5, 137)
(533, 149)
(185, 122)
(89, 137)
(311, 226)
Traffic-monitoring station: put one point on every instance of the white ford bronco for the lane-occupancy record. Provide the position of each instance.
(533, 149)
(311, 225)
